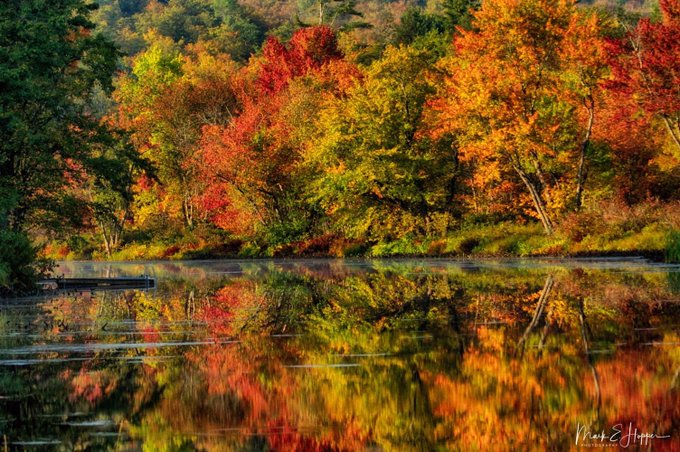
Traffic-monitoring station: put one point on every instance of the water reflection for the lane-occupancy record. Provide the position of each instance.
(328, 355)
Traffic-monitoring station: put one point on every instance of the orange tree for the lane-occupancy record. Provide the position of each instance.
(510, 97)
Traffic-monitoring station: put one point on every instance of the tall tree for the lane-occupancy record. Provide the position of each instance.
(506, 97)
(165, 102)
(109, 200)
(50, 63)
(415, 23)
(250, 165)
(377, 173)
(646, 67)
(585, 69)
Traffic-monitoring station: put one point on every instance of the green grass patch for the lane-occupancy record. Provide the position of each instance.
(503, 239)
(651, 238)
(406, 246)
(580, 234)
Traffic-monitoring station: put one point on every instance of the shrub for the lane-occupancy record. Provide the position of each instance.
(576, 226)
(170, 251)
(436, 248)
(315, 246)
(343, 247)
(250, 249)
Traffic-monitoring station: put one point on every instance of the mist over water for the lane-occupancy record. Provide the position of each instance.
(347, 355)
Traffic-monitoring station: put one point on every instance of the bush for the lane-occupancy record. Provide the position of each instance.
(315, 246)
(250, 250)
(577, 225)
(405, 246)
(436, 248)
(18, 266)
(353, 249)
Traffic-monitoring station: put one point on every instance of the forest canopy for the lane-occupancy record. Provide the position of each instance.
(188, 128)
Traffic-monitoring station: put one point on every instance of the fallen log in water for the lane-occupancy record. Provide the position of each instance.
(141, 282)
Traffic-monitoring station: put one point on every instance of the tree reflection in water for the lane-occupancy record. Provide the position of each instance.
(325, 356)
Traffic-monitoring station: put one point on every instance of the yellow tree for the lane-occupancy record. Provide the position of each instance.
(164, 103)
(507, 100)
(585, 57)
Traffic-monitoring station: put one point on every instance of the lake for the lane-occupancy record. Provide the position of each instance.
(348, 355)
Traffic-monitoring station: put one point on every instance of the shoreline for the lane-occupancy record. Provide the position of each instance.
(653, 255)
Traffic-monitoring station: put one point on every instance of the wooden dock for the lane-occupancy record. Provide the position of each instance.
(141, 282)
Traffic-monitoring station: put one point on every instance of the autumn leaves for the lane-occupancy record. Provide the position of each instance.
(516, 120)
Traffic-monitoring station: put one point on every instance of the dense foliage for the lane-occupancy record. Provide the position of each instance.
(52, 70)
(339, 127)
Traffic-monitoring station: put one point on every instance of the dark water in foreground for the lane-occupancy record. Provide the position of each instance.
(326, 355)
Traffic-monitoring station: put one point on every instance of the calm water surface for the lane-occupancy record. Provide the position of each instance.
(354, 355)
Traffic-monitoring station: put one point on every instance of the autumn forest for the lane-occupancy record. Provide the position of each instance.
(149, 129)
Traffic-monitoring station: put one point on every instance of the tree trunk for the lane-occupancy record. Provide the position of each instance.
(671, 132)
(589, 356)
(581, 176)
(543, 183)
(536, 198)
(538, 313)
(106, 240)
(115, 237)
(187, 212)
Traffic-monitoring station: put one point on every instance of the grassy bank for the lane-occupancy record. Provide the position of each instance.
(654, 240)
(650, 229)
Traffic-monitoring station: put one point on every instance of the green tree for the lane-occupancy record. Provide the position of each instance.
(459, 12)
(378, 173)
(51, 63)
(416, 23)
(117, 21)
(240, 32)
(110, 199)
